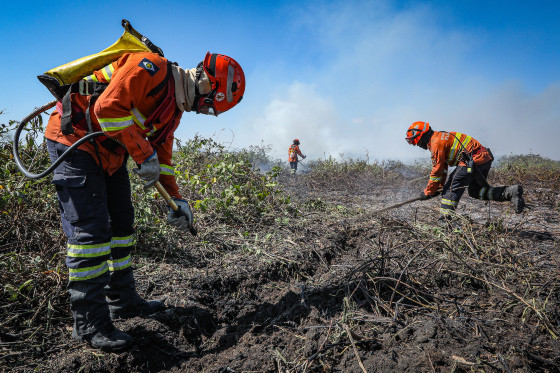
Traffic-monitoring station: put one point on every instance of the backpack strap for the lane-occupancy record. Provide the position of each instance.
(84, 88)
(164, 109)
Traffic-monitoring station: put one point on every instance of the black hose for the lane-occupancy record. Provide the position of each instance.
(19, 128)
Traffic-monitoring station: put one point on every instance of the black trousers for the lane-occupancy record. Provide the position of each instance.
(98, 219)
(459, 180)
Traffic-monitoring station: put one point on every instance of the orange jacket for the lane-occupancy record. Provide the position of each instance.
(120, 112)
(446, 151)
(293, 152)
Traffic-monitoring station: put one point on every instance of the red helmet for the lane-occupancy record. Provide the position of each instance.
(228, 84)
(415, 132)
(296, 141)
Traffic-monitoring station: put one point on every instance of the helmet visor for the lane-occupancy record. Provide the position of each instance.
(412, 137)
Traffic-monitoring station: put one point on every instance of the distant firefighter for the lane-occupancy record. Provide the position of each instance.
(472, 161)
(293, 153)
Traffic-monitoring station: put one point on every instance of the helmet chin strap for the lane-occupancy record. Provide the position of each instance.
(425, 139)
(204, 94)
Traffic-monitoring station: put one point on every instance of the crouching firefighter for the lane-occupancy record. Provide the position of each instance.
(472, 161)
(136, 102)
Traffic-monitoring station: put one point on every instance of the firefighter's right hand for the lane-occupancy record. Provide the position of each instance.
(149, 170)
(182, 219)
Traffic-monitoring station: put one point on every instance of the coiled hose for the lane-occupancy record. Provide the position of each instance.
(20, 127)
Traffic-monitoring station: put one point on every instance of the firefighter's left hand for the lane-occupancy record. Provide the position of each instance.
(182, 219)
(424, 197)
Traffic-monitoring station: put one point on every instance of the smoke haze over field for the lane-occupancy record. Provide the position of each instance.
(372, 70)
(344, 76)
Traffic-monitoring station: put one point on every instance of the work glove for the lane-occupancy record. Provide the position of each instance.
(149, 170)
(303, 156)
(182, 219)
(424, 197)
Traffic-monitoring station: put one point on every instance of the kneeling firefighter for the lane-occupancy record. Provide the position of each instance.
(472, 161)
(136, 103)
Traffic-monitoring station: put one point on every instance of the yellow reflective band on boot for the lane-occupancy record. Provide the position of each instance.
(88, 272)
(491, 193)
(445, 211)
(123, 241)
(447, 206)
(89, 251)
(118, 264)
(166, 170)
(449, 202)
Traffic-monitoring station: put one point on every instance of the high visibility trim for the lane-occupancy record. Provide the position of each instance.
(166, 169)
(89, 251)
(448, 202)
(481, 193)
(91, 78)
(123, 241)
(138, 117)
(435, 178)
(445, 211)
(457, 147)
(119, 264)
(87, 273)
(107, 72)
(115, 124)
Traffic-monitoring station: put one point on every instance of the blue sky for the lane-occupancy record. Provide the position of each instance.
(345, 77)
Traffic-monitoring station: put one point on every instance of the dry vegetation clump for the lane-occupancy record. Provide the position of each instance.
(298, 274)
(530, 170)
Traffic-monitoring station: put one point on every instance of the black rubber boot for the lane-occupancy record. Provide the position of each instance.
(109, 339)
(92, 322)
(124, 302)
(514, 193)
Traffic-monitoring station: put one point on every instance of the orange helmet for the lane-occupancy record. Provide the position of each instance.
(228, 84)
(415, 132)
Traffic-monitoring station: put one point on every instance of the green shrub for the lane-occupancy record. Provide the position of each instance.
(226, 182)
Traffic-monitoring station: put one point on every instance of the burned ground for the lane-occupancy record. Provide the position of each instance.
(327, 285)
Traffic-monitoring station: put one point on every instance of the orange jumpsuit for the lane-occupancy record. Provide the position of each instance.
(293, 152)
(120, 112)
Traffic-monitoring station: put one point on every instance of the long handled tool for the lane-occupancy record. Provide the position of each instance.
(398, 205)
(410, 201)
(172, 204)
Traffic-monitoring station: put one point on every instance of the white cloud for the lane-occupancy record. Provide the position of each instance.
(371, 70)
(301, 112)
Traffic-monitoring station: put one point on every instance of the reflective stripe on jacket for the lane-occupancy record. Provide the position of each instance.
(120, 112)
(446, 149)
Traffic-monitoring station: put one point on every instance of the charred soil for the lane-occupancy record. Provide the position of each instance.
(331, 286)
